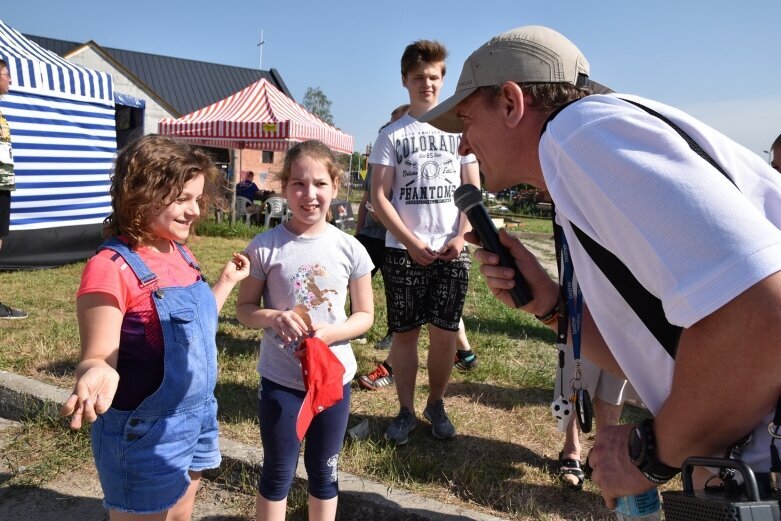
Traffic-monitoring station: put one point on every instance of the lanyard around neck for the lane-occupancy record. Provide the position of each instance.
(574, 297)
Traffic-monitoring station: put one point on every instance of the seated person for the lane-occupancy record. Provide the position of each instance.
(248, 188)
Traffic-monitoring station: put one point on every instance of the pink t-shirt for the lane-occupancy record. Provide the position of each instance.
(141, 354)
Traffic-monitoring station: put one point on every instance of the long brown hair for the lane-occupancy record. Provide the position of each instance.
(149, 174)
(316, 150)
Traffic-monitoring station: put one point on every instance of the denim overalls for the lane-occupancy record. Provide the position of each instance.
(143, 455)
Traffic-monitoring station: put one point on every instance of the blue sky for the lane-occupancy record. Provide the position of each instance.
(719, 60)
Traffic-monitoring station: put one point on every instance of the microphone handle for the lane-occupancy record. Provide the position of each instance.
(489, 236)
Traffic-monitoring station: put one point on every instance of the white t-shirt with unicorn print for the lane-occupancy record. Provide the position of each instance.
(308, 274)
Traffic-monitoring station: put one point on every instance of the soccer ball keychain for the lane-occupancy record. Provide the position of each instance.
(579, 401)
(561, 408)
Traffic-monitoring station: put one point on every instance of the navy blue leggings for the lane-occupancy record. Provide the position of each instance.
(277, 413)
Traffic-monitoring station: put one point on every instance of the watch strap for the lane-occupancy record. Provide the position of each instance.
(653, 469)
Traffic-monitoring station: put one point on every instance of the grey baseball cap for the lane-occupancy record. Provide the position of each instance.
(528, 54)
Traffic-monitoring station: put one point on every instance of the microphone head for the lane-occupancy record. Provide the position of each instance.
(466, 196)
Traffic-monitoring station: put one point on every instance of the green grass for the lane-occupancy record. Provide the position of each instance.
(239, 229)
(530, 224)
(502, 461)
(41, 450)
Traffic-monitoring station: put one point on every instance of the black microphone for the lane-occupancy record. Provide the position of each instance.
(469, 200)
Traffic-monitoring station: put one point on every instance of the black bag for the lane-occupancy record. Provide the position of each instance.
(718, 504)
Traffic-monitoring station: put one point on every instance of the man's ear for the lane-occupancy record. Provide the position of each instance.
(513, 103)
(403, 81)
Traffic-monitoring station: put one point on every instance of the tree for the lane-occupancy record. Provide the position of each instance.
(318, 104)
(357, 158)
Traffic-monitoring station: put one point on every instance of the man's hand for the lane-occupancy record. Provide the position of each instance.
(613, 471)
(500, 279)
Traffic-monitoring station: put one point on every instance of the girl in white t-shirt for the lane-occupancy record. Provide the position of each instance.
(300, 275)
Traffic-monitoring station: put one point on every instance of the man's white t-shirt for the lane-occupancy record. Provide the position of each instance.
(685, 232)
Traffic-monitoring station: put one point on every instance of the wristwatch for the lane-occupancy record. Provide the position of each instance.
(642, 452)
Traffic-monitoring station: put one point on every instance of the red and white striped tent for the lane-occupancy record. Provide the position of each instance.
(257, 117)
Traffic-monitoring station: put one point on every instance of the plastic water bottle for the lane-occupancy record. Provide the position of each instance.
(642, 507)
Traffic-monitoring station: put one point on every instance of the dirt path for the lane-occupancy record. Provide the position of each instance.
(541, 245)
(76, 495)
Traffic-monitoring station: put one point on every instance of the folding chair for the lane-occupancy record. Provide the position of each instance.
(275, 208)
(241, 208)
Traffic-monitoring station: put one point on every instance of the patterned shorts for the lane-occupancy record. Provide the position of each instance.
(418, 295)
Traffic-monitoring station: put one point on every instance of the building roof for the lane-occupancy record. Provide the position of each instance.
(184, 85)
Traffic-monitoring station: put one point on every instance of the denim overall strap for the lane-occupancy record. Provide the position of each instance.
(189, 259)
(142, 271)
(188, 319)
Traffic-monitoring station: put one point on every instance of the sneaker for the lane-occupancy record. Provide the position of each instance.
(11, 313)
(401, 426)
(385, 343)
(441, 426)
(465, 360)
(377, 379)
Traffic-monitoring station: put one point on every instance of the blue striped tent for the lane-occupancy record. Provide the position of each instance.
(63, 135)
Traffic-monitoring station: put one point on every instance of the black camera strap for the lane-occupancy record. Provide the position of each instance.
(646, 305)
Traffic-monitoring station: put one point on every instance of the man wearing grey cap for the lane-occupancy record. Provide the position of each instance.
(673, 234)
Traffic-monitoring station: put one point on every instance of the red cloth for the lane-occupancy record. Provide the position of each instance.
(323, 374)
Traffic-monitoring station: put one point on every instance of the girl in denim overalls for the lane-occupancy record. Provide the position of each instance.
(147, 320)
(302, 270)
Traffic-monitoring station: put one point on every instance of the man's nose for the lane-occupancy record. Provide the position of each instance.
(464, 148)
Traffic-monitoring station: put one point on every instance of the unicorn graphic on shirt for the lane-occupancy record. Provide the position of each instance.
(307, 291)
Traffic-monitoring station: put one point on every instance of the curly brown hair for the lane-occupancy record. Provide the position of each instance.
(149, 174)
(423, 51)
(316, 150)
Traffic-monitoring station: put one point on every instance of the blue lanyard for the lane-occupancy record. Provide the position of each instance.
(574, 301)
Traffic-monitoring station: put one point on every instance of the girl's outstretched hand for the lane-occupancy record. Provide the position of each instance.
(93, 395)
(236, 269)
